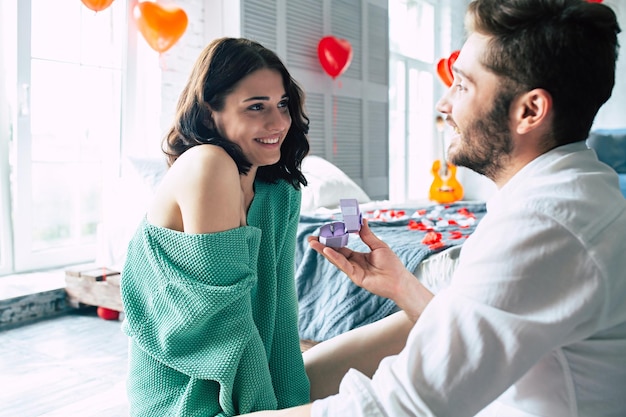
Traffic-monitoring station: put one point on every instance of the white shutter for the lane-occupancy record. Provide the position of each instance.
(258, 22)
(377, 151)
(378, 48)
(348, 152)
(346, 23)
(314, 104)
(349, 116)
(304, 28)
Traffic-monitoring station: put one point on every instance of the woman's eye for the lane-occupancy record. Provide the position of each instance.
(283, 104)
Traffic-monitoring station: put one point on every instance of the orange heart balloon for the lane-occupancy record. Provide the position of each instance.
(161, 26)
(97, 5)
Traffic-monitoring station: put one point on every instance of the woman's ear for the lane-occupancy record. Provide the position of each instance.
(208, 117)
(532, 110)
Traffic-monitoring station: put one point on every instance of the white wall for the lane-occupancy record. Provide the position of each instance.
(178, 61)
(213, 18)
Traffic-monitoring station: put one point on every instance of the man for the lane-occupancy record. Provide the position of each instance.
(534, 320)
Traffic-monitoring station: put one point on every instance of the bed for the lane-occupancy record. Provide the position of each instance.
(426, 236)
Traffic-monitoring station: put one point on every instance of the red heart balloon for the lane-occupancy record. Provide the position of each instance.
(97, 5)
(442, 71)
(334, 54)
(451, 60)
(444, 68)
(161, 26)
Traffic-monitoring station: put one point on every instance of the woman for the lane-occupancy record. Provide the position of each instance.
(208, 284)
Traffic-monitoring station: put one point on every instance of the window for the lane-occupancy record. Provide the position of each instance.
(418, 31)
(64, 78)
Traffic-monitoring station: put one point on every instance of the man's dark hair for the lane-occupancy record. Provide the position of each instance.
(566, 47)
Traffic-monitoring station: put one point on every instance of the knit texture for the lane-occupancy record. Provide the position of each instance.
(212, 318)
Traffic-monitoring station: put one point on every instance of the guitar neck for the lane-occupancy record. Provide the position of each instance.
(443, 170)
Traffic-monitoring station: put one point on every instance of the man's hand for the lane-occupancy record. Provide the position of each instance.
(380, 272)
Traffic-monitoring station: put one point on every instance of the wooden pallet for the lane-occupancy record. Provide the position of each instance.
(101, 287)
(94, 286)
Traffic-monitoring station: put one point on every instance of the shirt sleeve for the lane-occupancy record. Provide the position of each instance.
(512, 300)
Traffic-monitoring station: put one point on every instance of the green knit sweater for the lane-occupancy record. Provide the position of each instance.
(212, 318)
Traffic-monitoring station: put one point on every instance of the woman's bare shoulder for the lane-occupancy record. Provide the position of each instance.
(203, 180)
(201, 169)
(207, 158)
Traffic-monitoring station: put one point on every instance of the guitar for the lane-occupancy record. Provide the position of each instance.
(445, 188)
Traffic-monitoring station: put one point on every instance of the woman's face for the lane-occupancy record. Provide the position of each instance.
(256, 116)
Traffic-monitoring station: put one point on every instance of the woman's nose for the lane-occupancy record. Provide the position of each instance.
(279, 120)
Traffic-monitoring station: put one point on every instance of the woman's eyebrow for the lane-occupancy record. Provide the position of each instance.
(254, 98)
(265, 98)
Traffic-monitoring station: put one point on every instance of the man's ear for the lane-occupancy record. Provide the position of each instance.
(532, 110)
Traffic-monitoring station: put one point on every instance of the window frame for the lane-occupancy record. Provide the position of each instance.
(16, 254)
(410, 172)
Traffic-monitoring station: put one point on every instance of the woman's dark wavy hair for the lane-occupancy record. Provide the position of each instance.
(566, 47)
(216, 73)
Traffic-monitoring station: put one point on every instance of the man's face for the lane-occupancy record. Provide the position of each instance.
(478, 109)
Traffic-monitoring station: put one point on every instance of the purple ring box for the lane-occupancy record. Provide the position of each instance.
(336, 234)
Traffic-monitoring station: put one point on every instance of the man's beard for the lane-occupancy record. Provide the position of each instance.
(485, 145)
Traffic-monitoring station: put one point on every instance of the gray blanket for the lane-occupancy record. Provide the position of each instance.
(330, 304)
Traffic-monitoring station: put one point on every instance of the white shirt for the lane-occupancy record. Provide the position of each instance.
(533, 322)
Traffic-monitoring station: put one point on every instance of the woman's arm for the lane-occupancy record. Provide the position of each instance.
(201, 193)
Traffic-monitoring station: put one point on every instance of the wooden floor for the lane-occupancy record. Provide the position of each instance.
(70, 365)
(65, 366)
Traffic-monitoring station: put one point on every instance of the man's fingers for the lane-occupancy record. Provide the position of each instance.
(369, 238)
(338, 257)
(315, 244)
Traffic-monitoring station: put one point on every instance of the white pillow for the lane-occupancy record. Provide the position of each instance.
(327, 184)
(126, 200)
(150, 169)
